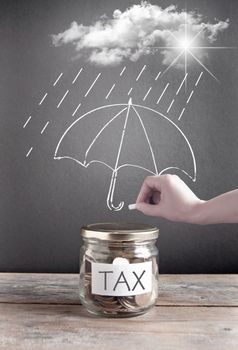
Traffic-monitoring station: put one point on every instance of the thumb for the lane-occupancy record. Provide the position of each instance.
(148, 209)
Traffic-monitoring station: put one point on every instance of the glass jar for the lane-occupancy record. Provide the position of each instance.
(118, 269)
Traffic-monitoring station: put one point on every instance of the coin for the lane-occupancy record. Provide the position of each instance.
(127, 302)
(120, 261)
(108, 303)
(137, 260)
(143, 300)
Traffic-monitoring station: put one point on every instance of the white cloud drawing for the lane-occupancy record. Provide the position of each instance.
(136, 31)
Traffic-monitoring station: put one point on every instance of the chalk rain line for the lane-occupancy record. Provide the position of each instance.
(44, 127)
(123, 70)
(180, 86)
(76, 109)
(142, 70)
(43, 98)
(62, 99)
(147, 93)
(198, 78)
(181, 113)
(191, 94)
(28, 153)
(189, 98)
(58, 79)
(163, 92)
(92, 85)
(130, 91)
(171, 104)
(157, 76)
(109, 93)
(27, 122)
(77, 75)
(66, 93)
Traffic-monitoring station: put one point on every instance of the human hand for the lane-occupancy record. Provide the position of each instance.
(167, 196)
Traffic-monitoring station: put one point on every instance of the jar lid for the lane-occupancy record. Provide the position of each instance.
(113, 231)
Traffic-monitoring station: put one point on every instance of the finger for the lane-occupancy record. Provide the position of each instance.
(155, 199)
(144, 194)
(150, 184)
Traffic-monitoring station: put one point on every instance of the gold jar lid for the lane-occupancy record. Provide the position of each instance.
(113, 231)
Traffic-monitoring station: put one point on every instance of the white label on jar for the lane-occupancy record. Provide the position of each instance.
(121, 280)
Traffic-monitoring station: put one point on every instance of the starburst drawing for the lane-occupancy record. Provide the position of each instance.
(186, 46)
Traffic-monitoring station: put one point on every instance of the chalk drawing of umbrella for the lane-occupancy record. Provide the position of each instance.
(120, 136)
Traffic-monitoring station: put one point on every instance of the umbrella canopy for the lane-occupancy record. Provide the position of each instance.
(126, 135)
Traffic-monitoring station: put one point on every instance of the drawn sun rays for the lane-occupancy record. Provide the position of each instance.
(185, 46)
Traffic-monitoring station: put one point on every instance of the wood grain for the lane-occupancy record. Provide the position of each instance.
(178, 290)
(42, 311)
(58, 326)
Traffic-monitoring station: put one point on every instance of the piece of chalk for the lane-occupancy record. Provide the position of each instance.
(132, 206)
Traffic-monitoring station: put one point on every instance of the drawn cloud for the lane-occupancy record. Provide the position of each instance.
(136, 31)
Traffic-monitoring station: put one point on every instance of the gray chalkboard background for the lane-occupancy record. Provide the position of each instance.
(43, 201)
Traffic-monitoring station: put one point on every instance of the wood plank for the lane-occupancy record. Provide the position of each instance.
(42, 288)
(179, 290)
(199, 289)
(25, 326)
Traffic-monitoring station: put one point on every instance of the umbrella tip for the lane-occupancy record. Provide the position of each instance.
(130, 101)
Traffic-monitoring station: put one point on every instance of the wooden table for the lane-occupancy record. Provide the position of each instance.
(42, 311)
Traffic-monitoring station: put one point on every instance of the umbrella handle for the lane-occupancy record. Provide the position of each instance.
(110, 195)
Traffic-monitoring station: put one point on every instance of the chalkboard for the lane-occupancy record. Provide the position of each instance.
(96, 95)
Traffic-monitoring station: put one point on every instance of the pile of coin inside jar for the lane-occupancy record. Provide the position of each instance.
(117, 305)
